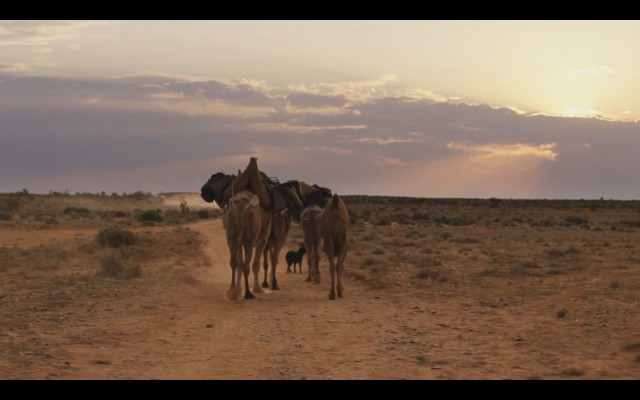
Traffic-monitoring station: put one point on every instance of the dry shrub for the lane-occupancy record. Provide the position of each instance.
(431, 273)
(112, 267)
(115, 237)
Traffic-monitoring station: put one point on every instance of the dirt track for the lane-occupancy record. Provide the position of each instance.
(475, 331)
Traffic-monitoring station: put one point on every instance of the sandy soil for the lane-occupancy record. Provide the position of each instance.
(476, 329)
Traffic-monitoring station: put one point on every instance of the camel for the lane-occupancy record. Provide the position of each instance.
(280, 226)
(247, 220)
(218, 189)
(247, 226)
(314, 198)
(310, 220)
(334, 232)
(286, 205)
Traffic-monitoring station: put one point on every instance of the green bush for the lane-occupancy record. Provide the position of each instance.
(575, 220)
(77, 210)
(150, 215)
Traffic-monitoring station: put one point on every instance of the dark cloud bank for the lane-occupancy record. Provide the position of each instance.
(157, 133)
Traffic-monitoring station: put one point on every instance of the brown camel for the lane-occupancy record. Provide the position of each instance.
(247, 226)
(246, 221)
(314, 199)
(310, 221)
(286, 205)
(334, 228)
(218, 189)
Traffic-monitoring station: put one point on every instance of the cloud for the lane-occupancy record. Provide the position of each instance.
(45, 64)
(353, 91)
(40, 33)
(599, 70)
(12, 67)
(315, 101)
(42, 50)
(384, 141)
(172, 132)
(545, 151)
(390, 161)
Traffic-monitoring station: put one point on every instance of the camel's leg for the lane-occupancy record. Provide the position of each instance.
(245, 269)
(275, 251)
(232, 293)
(265, 264)
(310, 259)
(316, 264)
(340, 266)
(256, 267)
(332, 270)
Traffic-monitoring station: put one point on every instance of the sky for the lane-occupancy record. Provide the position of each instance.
(508, 109)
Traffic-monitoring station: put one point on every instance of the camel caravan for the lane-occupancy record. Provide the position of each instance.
(258, 212)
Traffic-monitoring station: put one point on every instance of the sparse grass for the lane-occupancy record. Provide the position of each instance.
(635, 346)
(466, 240)
(555, 253)
(442, 235)
(115, 237)
(110, 266)
(76, 211)
(369, 262)
(576, 220)
(491, 272)
(430, 273)
(572, 372)
(527, 269)
(381, 222)
(184, 276)
(428, 262)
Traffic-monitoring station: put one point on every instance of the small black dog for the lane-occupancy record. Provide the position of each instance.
(295, 257)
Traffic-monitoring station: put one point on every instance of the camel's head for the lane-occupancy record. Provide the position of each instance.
(319, 195)
(215, 187)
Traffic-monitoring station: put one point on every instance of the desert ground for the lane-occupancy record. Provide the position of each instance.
(133, 287)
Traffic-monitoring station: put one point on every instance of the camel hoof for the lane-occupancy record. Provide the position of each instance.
(332, 296)
(249, 296)
(308, 279)
(257, 289)
(265, 284)
(275, 287)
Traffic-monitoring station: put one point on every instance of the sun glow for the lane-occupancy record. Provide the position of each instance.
(575, 111)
